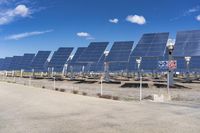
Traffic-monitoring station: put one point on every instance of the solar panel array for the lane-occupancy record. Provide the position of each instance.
(59, 58)
(40, 61)
(26, 61)
(6, 63)
(187, 43)
(1, 63)
(93, 52)
(120, 52)
(14, 65)
(151, 45)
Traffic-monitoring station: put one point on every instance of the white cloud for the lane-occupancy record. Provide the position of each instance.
(26, 34)
(21, 10)
(198, 18)
(11, 14)
(115, 20)
(136, 19)
(194, 9)
(83, 34)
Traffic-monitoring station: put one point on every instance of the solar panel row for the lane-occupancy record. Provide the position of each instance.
(151, 47)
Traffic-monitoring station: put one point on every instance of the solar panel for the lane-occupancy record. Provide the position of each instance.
(78, 53)
(118, 66)
(132, 66)
(120, 52)
(77, 67)
(93, 52)
(40, 60)
(26, 61)
(181, 64)
(151, 45)
(6, 64)
(14, 65)
(187, 44)
(1, 63)
(98, 66)
(149, 63)
(195, 63)
(59, 58)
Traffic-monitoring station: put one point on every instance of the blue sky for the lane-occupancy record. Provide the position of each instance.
(27, 26)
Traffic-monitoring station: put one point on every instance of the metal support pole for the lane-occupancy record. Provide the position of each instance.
(168, 83)
(140, 86)
(101, 85)
(106, 71)
(54, 83)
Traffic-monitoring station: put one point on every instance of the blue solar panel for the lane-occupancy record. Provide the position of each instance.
(14, 65)
(98, 66)
(59, 58)
(77, 67)
(149, 63)
(187, 43)
(132, 66)
(6, 64)
(118, 66)
(93, 53)
(120, 52)
(195, 63)
(151, 45)
(40, 61)
(1, 63)
(181, 64)
(77, 55)
(26, 61)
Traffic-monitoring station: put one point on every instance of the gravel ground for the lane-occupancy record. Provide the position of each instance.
(25, 109)
(127, 94)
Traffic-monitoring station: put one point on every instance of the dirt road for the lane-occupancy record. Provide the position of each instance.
(26, 109)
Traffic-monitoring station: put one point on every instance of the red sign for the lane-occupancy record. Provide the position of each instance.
(172, 64)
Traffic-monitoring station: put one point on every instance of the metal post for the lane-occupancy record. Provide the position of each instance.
(187, 59)
(106, 71)
(168, 83)
(101, 85)
(138, 61)
(54, 83)
(21, 74)
(140, 86)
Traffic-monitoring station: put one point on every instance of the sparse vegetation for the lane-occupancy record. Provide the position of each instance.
(62, 90)
(115, 98)
(84, 93)
(75, 92)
